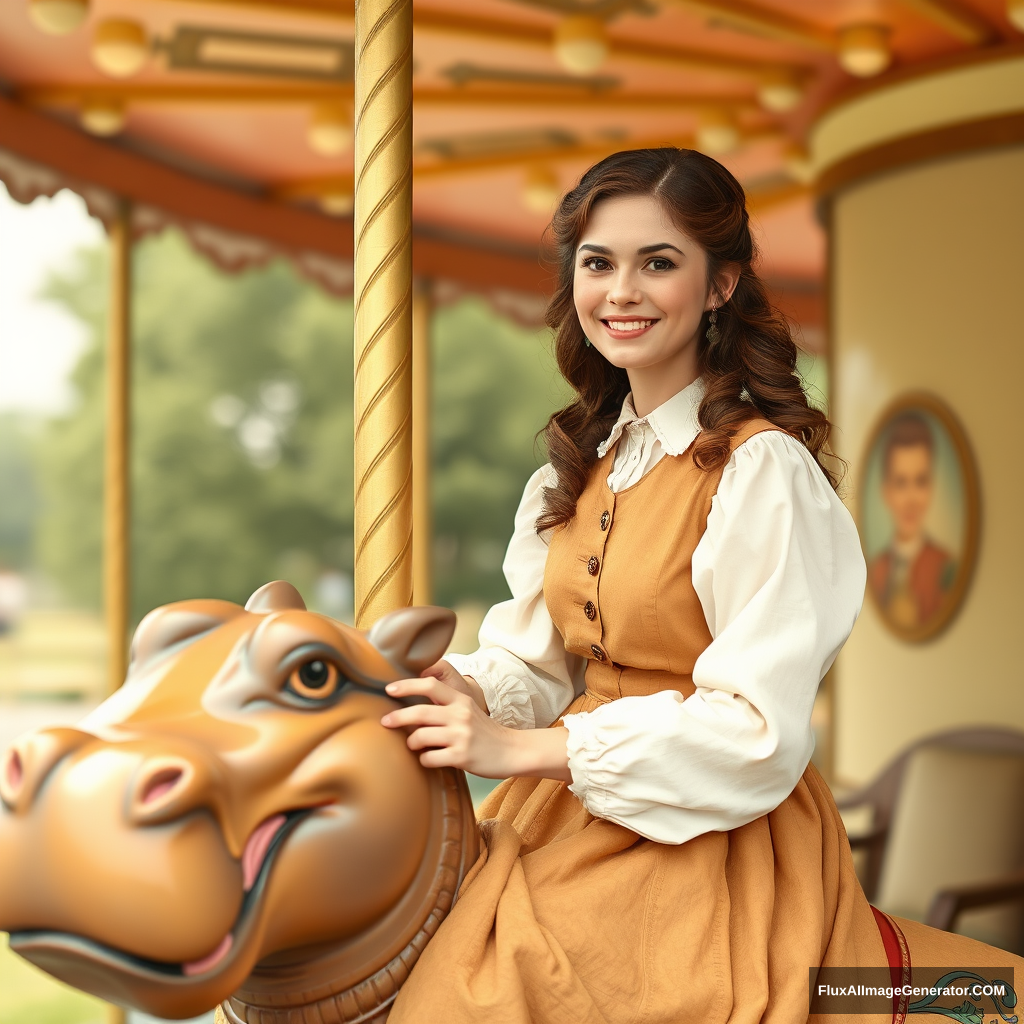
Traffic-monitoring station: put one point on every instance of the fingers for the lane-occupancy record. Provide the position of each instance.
(443, 757)
(438, 670)
(417, 715)
(431, 737)
(430, 687)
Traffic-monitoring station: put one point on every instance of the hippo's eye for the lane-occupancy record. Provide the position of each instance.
(314, 680)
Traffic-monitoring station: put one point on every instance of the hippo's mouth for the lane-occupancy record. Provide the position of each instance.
(52, 949)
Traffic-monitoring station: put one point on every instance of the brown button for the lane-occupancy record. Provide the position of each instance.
(606, 518)
(593, 565)
(597, 652)
(590, 610)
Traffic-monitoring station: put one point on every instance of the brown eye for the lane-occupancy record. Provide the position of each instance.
(314, 680)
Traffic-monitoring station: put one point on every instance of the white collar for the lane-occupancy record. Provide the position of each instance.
(674, 422)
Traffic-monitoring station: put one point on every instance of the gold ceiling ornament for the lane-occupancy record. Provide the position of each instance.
(717, 133)
(102, 117)
(330, 129)
(58, 17)
(383, 308)
(864, 50)
(120, 47)
(1015, 12)
(541, 190)
(780, 91)
(581, 44)
(337, 203)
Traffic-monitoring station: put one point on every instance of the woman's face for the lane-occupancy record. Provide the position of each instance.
(640, 288)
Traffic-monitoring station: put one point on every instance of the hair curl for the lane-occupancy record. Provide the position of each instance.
(750, 371)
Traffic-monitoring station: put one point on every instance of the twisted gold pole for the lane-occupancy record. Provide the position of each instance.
(383, 299)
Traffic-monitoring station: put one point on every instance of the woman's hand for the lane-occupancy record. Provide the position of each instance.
(454, 732)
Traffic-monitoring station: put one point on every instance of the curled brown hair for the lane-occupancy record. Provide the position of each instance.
(749, 371)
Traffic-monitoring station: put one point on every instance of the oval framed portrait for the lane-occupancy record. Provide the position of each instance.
(919, 515)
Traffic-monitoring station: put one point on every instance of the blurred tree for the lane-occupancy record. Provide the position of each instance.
(18, 497)
(242, 447)
(494, 387)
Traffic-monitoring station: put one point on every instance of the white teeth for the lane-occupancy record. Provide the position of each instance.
(632, 325)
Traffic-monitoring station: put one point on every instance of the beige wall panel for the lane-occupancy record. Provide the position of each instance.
(929, 294)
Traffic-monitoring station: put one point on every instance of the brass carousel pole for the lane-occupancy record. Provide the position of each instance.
(383, 307)
(117, 478)
(422, 519)
(117, 486)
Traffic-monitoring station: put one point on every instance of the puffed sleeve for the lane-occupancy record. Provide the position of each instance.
(522, 666)
(780, 576)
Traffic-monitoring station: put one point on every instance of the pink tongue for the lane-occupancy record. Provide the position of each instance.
(208, 963)
(256, 849)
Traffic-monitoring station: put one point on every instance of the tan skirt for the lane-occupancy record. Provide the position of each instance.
(570, 919)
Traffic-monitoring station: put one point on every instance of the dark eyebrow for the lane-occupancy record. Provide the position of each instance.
(655, 248)
(594, 248)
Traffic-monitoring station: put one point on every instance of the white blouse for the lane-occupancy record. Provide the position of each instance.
(780, 576)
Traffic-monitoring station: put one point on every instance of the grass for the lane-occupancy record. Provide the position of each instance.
(28, 996)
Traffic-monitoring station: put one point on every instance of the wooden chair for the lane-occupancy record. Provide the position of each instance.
(946, 839)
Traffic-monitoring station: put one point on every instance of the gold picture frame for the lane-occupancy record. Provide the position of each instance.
(918, 514)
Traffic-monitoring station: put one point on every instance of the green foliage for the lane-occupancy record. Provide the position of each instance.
(242, 434)
(19, 501)
(495, 386)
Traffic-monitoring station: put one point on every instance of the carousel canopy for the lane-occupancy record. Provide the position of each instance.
(233, 119)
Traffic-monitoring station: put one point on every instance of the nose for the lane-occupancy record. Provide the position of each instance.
(165, 788)
(624, 289)
(29, 761)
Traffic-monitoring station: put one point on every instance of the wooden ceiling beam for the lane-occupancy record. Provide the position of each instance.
(172, 94)
(753, 18)
(518, 33)
(544, 98)
(422, 171)
(343, 10)
(554, 98)
(499, 31)
(957, 19)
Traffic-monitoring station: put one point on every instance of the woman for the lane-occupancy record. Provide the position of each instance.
(683, 576)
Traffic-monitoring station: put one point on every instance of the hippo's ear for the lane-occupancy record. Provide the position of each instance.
(173, 623)
(275, 597)
(413, 639)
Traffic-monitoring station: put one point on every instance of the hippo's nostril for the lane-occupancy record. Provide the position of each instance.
(160, 784)
(14, 771)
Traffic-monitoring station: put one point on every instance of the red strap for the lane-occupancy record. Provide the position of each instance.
(898, 955)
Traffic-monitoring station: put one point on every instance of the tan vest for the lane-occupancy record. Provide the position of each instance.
(618, 580)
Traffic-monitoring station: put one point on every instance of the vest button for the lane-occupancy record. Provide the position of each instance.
(590, 610)
(606, 518)
(597, 652)
(593, 565)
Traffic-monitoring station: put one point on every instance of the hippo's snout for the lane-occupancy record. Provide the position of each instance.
(85, 820)
(30, 761)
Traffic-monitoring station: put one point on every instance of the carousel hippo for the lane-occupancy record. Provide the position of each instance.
(234, 825)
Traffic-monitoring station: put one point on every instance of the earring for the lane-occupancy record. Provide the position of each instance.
(712, 333)
(586, 341)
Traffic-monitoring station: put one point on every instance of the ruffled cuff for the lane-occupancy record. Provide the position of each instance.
(589, 780)
(505, 690)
